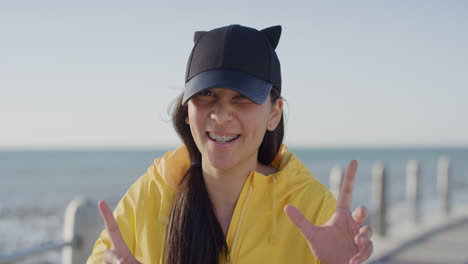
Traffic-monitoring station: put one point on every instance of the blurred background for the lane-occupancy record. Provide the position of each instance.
(85, 88)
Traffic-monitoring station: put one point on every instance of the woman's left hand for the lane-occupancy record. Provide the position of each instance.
(342, 239)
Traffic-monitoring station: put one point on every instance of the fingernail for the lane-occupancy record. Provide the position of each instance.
(361, 239)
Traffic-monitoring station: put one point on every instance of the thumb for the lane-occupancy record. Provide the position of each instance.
(307, 228)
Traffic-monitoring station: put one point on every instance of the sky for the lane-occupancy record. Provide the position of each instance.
(102, 74)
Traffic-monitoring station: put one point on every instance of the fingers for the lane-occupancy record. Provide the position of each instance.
(363, 236)
(301, 222)
(365, 251)
(360, 215)
(366, 230)
(346, 194)
(111, 257)
(112, 227)
(364, 245)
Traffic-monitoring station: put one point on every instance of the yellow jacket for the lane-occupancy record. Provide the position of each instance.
(259, 231)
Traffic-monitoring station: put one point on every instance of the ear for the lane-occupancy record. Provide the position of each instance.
(197, 36)
(187, 121)
(276, 113)
(273, 34)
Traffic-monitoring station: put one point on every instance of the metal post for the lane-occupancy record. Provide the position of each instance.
(443, 184)
(379, 200)
(82, 226)
(413, 190)
(336, 179)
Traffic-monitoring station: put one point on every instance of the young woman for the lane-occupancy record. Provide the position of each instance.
(232, 193)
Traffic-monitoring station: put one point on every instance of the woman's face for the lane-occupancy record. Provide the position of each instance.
(228, 128)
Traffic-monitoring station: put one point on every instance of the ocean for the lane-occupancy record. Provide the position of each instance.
(36, 185)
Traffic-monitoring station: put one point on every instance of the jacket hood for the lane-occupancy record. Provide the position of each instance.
(291, 176)
(291, 171)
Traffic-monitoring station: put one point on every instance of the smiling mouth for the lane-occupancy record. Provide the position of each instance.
(222, 139)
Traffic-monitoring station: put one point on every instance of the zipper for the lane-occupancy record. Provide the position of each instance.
(273, 209)
(238, 227)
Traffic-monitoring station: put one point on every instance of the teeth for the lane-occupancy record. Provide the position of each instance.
(222, 139)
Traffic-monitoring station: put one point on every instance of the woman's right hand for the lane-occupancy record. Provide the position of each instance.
(119, 253)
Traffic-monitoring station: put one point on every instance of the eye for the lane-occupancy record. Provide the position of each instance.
(205, 96)
(207, 92)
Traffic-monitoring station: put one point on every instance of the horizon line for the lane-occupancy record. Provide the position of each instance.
(291, 146)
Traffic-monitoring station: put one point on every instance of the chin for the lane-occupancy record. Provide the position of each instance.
(222, 163)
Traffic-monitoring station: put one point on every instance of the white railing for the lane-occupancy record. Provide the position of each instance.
(82, 225)
(411, 226)
(379, 211)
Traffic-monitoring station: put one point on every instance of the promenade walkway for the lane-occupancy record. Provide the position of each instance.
(449, 246)
(444, 241)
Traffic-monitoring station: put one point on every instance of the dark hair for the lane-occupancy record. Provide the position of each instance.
(194, 234)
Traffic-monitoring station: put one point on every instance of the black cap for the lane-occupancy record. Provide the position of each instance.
(235, 57)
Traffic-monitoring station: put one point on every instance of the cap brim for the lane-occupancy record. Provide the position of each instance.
(252, 87)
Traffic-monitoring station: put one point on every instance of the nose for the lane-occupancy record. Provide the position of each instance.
(222, 112)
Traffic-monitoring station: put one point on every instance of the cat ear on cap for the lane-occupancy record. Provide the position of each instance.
(273, 34)
(198, 35)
